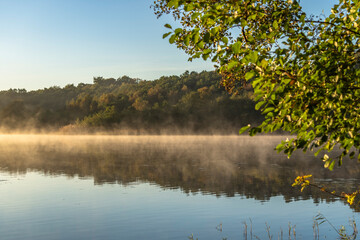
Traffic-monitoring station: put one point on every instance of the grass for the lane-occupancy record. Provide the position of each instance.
(290, 234)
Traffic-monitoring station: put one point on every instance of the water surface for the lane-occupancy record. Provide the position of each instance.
(162, 187)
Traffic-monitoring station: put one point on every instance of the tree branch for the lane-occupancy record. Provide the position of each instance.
(332, 24)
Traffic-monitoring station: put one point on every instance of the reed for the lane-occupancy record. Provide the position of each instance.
(291, 231)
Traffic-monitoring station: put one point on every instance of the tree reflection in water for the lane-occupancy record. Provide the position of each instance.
(219, 165)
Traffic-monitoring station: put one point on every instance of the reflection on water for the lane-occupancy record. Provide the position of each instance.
(222, 166)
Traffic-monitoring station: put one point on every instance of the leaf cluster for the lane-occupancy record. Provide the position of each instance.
(304, 69)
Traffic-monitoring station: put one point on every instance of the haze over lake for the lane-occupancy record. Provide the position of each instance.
(161, 187)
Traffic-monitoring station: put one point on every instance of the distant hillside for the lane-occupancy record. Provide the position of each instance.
(190, 103)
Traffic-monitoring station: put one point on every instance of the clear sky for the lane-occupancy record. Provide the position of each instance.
(47, 43)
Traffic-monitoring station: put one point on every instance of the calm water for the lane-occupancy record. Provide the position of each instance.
(162, 187)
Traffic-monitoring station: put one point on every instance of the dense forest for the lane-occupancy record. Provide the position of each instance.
(190, 103)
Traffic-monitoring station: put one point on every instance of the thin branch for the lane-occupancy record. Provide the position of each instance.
(327, 191)
(243, 32)
(332, 24)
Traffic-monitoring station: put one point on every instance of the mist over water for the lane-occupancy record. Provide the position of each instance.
(224, 167)
(212, 164)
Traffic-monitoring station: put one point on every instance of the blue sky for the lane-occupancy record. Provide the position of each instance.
(47, 43)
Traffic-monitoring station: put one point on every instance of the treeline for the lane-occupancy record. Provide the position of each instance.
(189, 103)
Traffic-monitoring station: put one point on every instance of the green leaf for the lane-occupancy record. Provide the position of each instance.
(201, 45)
(252, 17)
(225, 40)
(189, 7)
(178, 31)
(270, 115)
(253, 56)
(275, 25)
(264, 63)
(254, 131)
(236, 47)
(195, 15)
(232, 64)
(166, 34)
(243, 22)
(196, 37)
(269, 109)
(215, 30)
(207, 51)
(187, 40)
(317, 152)
(243, 129)
(207, 37)
(331, 166)
(172, 39)
(280, 147)
(259, 104)
(249, 75)
(168, 26)
(206, 54)
(173, 3)
(302, 18)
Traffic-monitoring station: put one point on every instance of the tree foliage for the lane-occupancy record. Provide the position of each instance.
(190, 103)
(304, 69)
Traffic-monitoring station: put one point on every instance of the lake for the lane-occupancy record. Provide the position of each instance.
(164, 187)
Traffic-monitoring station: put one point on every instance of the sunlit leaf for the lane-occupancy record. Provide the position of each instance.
(243, 129)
